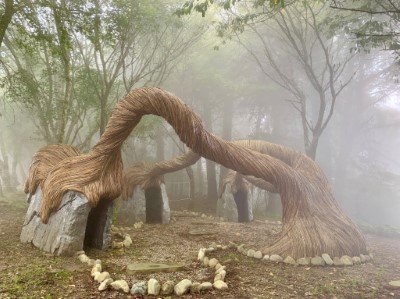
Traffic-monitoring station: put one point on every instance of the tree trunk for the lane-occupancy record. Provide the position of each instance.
(212, 190)
(227, 122)
(200, 178)
(189, 172)
(64, 47)
(5, 18)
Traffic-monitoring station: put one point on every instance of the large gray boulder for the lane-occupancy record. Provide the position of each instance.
(64, 233)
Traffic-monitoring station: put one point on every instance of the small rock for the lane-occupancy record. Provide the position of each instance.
(139, 287)
(258, 255)
(96, 268)
(205, 286)
(97, 262)
(367, 258)
(153, 287)
(289, 260)
(346, 260)
(220, 276)
(276, 258)
(127, 241)
(356, 260)
(120, 285)
(327, 259)
(206, 261)
(220, 285)
(167, 288)
(104, 285)
(222, 268)
(250, 252)
(213, 262)
(117, 245)
(217, 266)
(219, 246)
(201, 254)
(266, 257)
(337, 262)
(210, 249)
(195, 288)
(240, 247)
(317, 261)
(83, 258)
(304, 261)
(182, 287)
(102, 276)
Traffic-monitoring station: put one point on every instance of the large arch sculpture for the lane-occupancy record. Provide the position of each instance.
(313, 222)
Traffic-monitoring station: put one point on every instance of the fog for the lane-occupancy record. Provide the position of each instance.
(247, 87)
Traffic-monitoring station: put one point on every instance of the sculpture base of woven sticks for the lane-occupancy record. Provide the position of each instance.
(313, 222)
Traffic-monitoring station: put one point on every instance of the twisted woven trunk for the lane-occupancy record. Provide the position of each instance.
(313, 223)
(43, 161)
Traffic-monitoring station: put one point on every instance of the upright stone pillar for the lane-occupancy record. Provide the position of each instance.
(64, 233)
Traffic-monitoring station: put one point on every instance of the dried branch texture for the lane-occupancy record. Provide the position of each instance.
(313, 222)
(151, 175)
(43, 161)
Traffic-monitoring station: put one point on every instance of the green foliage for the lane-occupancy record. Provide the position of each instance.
(374, 24)
(21, 87)
(87, 84)
(201, 6)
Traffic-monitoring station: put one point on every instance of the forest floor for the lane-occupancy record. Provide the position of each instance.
(26, 272)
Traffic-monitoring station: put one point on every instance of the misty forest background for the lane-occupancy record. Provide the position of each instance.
(318, 76)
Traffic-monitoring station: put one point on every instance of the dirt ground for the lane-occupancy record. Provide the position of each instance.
(26, 272)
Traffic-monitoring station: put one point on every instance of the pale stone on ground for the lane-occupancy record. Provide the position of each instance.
(213, 262)
(317, 261)
(182, 287)
(304, 261)
(220, 285)
(167, 288)
(346, 260)
(276, 258)
(289, 260)
(250, 252)
(258, 255)
(195, 288)
(205, 286)
(120, 285)
(104, 285)
(327, 259)
(102, 276)
(153, 287)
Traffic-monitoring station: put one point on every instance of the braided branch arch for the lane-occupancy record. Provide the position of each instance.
(313, 223)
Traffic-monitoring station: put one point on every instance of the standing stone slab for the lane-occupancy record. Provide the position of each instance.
(134, 209)
(64, 233)
(74, 224)
(227, 208)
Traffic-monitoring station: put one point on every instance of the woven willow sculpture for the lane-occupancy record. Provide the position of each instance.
(313, 222)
